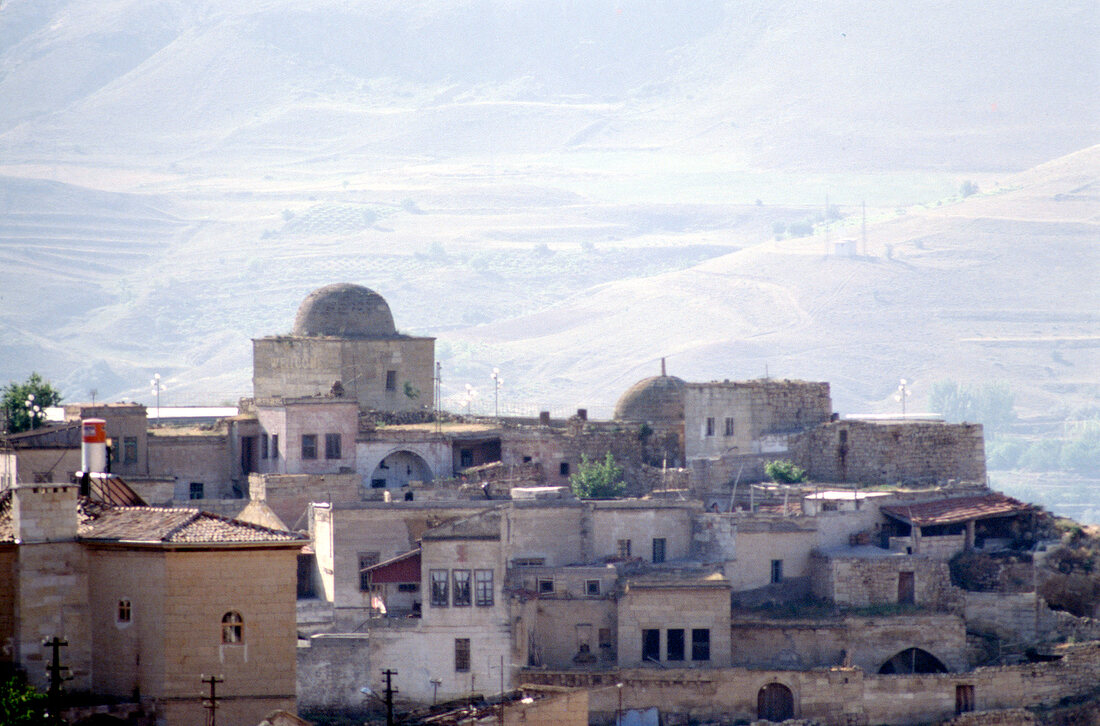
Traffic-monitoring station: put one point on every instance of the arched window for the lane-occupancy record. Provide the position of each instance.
(232, 627)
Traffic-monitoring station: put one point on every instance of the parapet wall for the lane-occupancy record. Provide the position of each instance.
(918, 452)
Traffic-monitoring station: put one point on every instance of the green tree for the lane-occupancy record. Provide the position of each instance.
(598, 479)
(784, 472)
(21, 704)
(18, 416)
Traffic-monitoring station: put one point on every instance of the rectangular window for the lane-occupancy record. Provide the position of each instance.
(440, 596)
(309, 446)
(366, 559)
(462, 655)
(700, 644)
(624, 548)
(124, 611)
(674, 648)
(461, 596)
(377, 483)
(196, 491)
(483, 585)
(465, 458)
(529, 562)
(129, 450)
(274, 446)
(332, 446)
(592, 588)
(658, 550)
(710, 426)
(604, 635)
(651, 644)
(408, 587)
(563, 468)
(546, 587)
(391, 380)
(263, 446)
(729, 426)
(777, 571)
(116, 450)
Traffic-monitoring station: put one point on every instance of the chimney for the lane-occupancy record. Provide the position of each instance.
(44, 513)
(582, 414)
(544, 418)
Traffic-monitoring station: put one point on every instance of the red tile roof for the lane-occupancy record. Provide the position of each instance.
(959, 509)
(175, 526)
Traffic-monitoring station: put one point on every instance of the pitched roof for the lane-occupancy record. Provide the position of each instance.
(175, 526)
(959, 509)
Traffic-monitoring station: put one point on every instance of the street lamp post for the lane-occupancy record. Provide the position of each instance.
(903, 393)
(498, 383)
(157, 387)
(33, 409)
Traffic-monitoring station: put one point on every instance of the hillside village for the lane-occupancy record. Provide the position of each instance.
(341, 525)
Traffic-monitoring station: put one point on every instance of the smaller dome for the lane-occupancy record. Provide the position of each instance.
(658, 399)
(344, 310)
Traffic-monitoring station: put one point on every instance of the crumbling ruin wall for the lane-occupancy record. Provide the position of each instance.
(920, 452)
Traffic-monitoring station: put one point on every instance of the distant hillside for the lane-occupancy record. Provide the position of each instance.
(796, 83)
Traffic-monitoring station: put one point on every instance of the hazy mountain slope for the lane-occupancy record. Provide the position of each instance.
(789, 82)
(992, 288)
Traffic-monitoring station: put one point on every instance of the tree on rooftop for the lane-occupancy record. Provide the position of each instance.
(598, 479)
(24, 404)
(784, 472)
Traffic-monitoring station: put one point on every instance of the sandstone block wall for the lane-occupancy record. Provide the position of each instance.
(288, 494)
(876, 453)
(331, 670)
(200, 458)
(859, 581)
(569, 708)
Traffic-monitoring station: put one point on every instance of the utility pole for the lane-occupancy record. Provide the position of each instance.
(211, 703)
(390, 690)
(438, 397)
(57, 675)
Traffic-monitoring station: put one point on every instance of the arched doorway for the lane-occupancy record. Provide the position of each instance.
(913, 660)
(775, 702)
(398, 468)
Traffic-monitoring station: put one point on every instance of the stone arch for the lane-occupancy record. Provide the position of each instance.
(775, 702)
(913, 660)
(397, 468)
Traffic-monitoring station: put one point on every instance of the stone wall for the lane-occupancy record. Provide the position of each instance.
(551, 707)
(1010, 616)
(193, 457)
(834, 696)
(8, 558)
(288, 495)
(888, 452)
(865, 642)
(331, 670)
(685, 606)
(860, 581)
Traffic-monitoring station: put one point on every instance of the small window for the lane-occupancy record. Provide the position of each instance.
(274, 446)
(651, 644)
(461, 596)
(777, 571)
(197, 490)
(829, 507)
(563, 468)
(592, 588)
(332, 446)
(700, 644)
(529, 562)
(710, 426)
(483, 585)
(377, 483)
(408, 587)
(366, 559)
(546, 586)
(674, 647)
(232, 628)
(658, 550)
(125, 612)
(263, 446)
(440, 596)
(129, 453)
(462, 655)
(624, 548)
(604, 635)
(729, 426)
(527, 460)
(465, 458)
(391, 380)
(309, 446)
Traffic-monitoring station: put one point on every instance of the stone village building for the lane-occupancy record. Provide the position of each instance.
(453, 552)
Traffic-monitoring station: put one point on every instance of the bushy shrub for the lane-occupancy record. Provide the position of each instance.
(784, 472)
(601, 479)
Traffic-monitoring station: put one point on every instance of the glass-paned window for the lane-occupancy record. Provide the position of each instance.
(461, 596)
(309, 446)
(658, 550)
(462, 655)
(592, 588)
(440, 595)
(366, 559)
(483, 584)
(710, 426)
(129, 450)
(729, 426)
(274, 446)
(332, 446)
(232, 627)
(196, 490)
(125, 612)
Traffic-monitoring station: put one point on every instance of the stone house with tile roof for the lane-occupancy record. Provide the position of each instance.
(149, 600)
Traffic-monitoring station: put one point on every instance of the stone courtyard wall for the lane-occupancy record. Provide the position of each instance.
(876, 453)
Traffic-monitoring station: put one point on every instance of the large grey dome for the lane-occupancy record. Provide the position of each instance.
(658, 399)
(344, 310)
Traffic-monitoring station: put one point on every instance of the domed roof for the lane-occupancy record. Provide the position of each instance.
(658, 399)
(344, 310)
